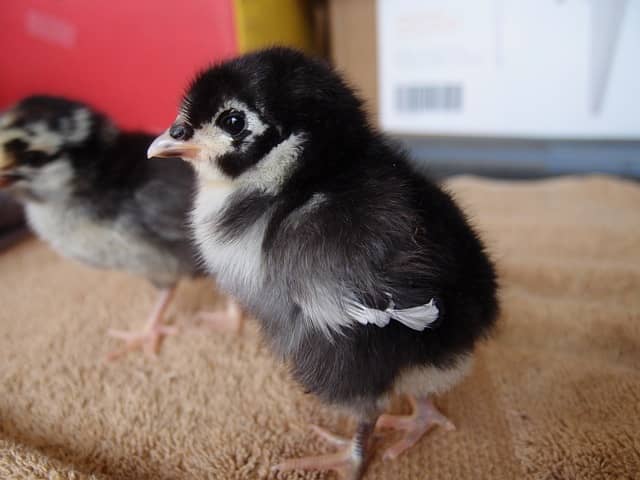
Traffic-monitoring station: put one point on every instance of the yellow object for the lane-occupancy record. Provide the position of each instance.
(265, 23)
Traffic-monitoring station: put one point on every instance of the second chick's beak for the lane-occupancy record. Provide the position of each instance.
(7, 177)
(175, 142)
(5, 180)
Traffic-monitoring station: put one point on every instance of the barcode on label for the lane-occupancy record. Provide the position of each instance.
(428, 98)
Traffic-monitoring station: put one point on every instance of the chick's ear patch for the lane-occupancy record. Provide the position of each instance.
(43, 139)
(277, 163)
(76, 128)
(235, 163)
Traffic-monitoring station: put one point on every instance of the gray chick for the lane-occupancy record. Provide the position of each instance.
(91, 193)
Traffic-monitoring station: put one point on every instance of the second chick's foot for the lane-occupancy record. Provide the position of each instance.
(147, 340)
(425, 416)
(348, 461)
(151, 336)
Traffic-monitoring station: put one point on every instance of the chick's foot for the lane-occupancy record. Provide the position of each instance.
(425, 416)
(348, 461)
(151, 336)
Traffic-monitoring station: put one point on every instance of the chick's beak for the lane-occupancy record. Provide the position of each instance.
(166, 146)
(5, 181)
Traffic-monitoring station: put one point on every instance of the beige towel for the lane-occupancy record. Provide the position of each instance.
(554, 395)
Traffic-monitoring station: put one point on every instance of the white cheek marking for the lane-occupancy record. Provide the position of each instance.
(44, 139)
(237, 263)
(213, 144)
(214, 141)
(270, 173)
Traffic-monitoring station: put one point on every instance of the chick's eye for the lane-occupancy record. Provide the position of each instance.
(232, 122)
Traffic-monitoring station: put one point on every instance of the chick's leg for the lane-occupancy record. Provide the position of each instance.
(348, 461)
(425, 415)
(231, 319)
(150, 337)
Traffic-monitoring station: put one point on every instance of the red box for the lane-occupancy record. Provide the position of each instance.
(130, 59)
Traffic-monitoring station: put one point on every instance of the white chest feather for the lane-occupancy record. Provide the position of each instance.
(236, 263)
(73, 234)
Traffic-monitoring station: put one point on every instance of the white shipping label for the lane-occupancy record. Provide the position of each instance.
(510, 68)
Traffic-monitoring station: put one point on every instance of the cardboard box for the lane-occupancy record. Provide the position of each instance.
(498, 68)
(353, 47)
(538, 69)
(134, 59)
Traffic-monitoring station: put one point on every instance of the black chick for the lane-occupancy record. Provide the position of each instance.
(364, 275)
(91, 193)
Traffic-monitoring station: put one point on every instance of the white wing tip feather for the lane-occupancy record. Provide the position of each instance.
(417, 318)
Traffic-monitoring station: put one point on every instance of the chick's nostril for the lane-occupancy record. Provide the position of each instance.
(180, 132)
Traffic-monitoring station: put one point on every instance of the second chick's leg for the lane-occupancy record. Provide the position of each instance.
(231, 319)
(150, 337)
(425, 416)
(348, 462)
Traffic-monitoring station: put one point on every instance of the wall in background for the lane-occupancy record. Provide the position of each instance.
(356, 48)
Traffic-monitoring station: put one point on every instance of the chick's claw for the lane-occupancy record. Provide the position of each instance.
(425, 416)
(147, 340)
(343, 462)
(329, 437)
(150, 337)
(348, 462)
